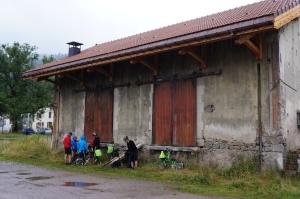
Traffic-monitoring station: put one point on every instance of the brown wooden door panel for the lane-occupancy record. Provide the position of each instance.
(89, 119)
(184, 116)
(162, 119)
(104, 115)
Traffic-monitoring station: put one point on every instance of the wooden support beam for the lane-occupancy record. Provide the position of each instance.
(102, 72)
(46, 79)
(76, 79)
(286, 17)
(151, 66)
(254, 48)
(194, 55)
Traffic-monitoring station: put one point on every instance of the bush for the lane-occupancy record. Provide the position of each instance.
(241, 167)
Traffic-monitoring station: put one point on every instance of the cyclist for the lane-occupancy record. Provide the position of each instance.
(132, 153)
(82, 147)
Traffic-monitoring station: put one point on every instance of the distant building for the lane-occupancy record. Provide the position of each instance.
(42, 119)
(5, 125)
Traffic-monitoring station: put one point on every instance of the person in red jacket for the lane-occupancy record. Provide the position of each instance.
(67, 146)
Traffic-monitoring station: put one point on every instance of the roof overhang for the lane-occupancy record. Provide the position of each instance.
(265, 23)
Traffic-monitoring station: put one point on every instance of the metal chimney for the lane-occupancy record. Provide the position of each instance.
(74, 48)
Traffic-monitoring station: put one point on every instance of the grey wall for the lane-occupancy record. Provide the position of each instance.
(72, 103)
(132, 114)
(289, 49)
(233, 94)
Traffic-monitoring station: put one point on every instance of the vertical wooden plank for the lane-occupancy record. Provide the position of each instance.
(104, 115)
(184, 117)
(162, 114)
(89, 120)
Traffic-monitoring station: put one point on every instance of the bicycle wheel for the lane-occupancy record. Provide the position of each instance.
(162, 164)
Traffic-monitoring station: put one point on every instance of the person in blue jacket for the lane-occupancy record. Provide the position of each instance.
(82, 146)
(74, 148)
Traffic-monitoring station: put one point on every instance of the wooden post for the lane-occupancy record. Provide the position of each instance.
(56, 108)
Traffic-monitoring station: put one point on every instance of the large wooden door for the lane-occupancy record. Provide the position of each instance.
(174, 117)
(104, 115)
(184, 115)
(162, 120)
(89, 119)
(99, 114)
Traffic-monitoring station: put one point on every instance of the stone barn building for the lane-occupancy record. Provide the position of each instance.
(211, 88)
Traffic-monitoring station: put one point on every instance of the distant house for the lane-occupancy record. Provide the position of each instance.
(5, 125)
(211, 88)
(42, 119)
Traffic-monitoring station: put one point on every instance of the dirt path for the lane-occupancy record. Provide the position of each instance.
(29, 182)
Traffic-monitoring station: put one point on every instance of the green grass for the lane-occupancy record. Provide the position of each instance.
(242, 180)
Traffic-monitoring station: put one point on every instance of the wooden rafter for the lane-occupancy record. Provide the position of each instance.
(194, 55)
(46, 79)
(286, 17)
(102, 72)
(76, 79)
(253, 47)
(149, 65)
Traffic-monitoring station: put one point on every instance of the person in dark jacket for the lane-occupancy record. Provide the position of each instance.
(67, 146)
(96, 142)
(132, 153)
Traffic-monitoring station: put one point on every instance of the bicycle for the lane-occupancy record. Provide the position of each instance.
(166, 160)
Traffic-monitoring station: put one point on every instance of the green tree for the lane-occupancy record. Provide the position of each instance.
(47, 59)
(18, 96)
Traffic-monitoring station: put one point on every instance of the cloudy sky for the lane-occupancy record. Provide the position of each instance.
(49, 24)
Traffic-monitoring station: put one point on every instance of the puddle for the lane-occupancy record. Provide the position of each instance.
(23, 174)
(3, 172)
(79, 184)
(98, 190)
(35, 178)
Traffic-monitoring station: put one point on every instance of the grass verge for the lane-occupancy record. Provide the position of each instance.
(242, 180)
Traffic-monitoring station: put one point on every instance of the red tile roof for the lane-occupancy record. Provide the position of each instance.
(255, 11)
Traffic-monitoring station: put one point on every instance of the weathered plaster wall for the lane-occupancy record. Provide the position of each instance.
(233, 95)
(72, 103)
(132, 114)
(289, 49)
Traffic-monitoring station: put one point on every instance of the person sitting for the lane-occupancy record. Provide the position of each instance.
(132, 153)
(82, 147)
(67, 147)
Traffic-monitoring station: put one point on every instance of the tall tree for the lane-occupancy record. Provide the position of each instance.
(19, 96)
(48, 59)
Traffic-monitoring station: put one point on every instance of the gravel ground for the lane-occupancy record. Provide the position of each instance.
(29, 182)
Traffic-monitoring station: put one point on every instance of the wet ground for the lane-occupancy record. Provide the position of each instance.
(29, 182)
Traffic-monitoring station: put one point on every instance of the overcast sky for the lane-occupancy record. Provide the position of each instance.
(49, 24)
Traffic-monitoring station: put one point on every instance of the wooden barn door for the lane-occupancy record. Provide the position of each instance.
(99, 114)
(89, 119)
(174, 117)
(184, 115)
(104, 115)
(162, 119)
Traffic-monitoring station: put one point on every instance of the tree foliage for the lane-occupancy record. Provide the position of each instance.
(18, 96)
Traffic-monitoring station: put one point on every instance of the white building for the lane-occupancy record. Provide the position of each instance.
(40, 120)
(44, 120)
(5, 125)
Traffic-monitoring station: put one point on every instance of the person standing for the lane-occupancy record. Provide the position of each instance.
(96, 142)
(74, 148)
(82, 147)
(132, 153)
(67, 146)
